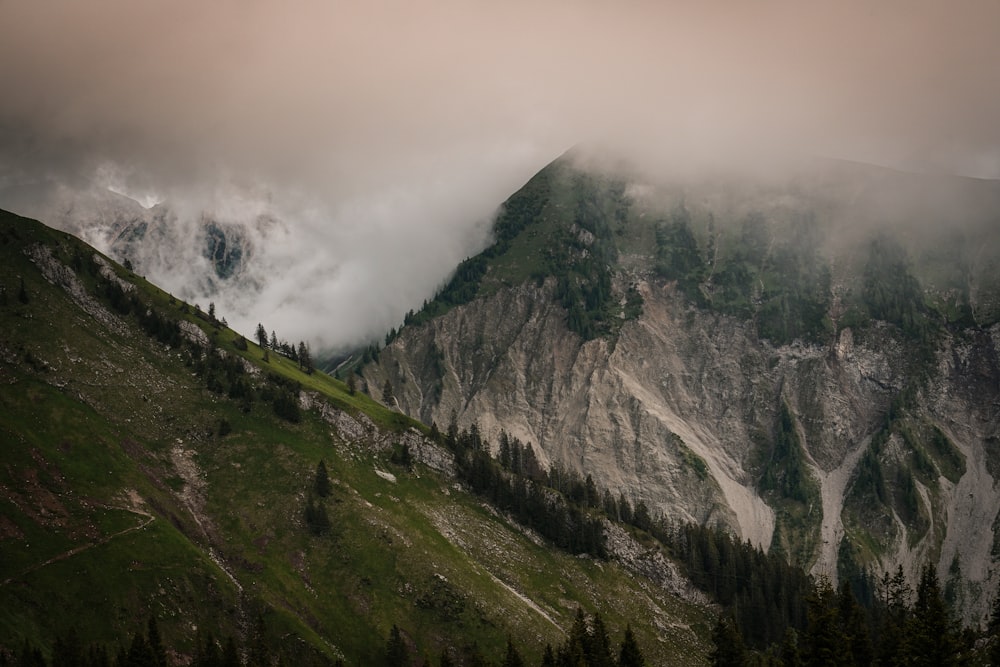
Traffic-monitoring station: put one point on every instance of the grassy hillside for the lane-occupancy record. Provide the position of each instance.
(151, 467)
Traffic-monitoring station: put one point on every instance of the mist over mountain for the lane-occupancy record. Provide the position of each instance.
(377, 140)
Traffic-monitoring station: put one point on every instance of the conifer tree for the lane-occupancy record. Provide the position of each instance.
(258, 654)
(396, 653)
(854, 626)
(261, 336)
(512, 658)
(387, 396)
(155, 643)
(548, 657)
(31, 656)
(321, 484)
(824, 641)
(790, 654)
(929, 638)
(230, 654)
(728, 649)
(598, 644)
(630, 655)
(207, 652)
(66, 650)
(305, 358)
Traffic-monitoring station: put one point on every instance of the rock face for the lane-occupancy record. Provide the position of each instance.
(894, 446)
(681, 386)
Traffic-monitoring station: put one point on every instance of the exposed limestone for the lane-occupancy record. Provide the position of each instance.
(193, 333)
(360, 430)
(681, 380)
(104, 268)
(59, 274)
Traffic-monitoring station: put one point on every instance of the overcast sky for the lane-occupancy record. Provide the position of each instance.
(384, 134)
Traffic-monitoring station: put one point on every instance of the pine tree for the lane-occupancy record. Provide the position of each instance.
(548, 657)
(728, 649)
(31, 656)
(896, 610)
(790, 654)
(305, 358)
(258, 654)
(139, 653)
(66, 650)
(854, 626)
(352, 383)
(207, 653)
(387, 396)
(825, 643)
(512, 658)
(321, 484)
(155, 643)
(598, 644)
(261, 336)
(929, 637)
(396, 653)
(630, 655)
(230, 654)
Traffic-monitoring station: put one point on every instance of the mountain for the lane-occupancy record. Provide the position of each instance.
(808, 356)
(157, 465)
(213, 250)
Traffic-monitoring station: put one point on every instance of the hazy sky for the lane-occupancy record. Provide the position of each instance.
(384, 134)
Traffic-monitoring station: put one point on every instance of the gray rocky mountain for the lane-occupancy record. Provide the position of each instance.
(811, 360)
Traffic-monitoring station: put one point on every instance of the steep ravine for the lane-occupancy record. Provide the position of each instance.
(681, 384)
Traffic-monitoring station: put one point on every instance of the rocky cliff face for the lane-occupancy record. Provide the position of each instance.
(860, 448)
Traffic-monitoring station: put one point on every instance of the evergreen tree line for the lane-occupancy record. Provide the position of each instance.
(587, 645)
(762, 592)
(147, 649)
(301, 355)
(227, 376)
(897, 629)
(568, 525)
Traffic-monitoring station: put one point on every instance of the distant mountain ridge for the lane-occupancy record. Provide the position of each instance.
(200, 252)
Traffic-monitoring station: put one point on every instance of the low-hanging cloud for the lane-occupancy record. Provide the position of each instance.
(383, 135)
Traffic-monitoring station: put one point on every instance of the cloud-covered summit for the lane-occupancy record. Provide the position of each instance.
(382, 135)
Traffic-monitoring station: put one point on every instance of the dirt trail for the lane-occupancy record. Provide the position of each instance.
(84, 547)
(526, 600)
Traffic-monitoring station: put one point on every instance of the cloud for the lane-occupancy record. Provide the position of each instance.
(383, 134)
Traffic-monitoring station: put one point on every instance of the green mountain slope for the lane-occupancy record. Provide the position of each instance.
(153, 468)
